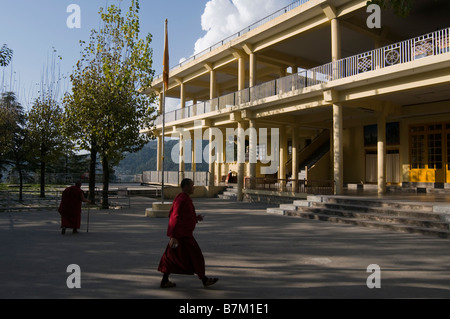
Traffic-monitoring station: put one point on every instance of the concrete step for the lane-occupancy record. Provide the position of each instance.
(230, 193)
(389, 211)
(441, 233)
(227, 196)
(277, 211)
(412, 217)
(371, 202)
(379, 217)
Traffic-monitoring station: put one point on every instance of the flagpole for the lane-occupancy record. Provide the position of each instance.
(165, 84)
(162, 146)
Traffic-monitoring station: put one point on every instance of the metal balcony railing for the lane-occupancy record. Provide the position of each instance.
(431, 44)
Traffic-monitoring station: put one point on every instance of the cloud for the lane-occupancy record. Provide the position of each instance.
(223, 18)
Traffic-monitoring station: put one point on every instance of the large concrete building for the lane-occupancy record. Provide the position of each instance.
(352, 102)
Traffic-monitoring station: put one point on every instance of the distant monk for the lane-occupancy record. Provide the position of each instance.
(183, 255)
(70, 208)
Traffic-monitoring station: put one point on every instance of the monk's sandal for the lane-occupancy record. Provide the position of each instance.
(209, 281)
(167, 284)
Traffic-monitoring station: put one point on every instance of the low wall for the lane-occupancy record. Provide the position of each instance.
(199, 178)
(274, 197)
(199, 191)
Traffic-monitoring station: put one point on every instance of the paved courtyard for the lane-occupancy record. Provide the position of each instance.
(255, 255)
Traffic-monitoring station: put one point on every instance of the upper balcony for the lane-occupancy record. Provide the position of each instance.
(401, 53)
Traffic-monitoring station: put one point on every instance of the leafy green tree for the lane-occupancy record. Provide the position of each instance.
(7, 118)
(5, 55)
(82, 116)
(45, 121)
(400, 7)
(106, 112)
(14, 135)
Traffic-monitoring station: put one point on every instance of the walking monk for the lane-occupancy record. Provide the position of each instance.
(70, 208)
(183, 255)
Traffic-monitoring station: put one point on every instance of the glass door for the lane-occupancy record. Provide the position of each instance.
(429, 153)
(417, 148)
(435, 153)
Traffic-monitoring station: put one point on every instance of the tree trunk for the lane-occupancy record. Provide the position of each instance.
(92, 167)
(20, 184)
(105, 168)
(42, 179)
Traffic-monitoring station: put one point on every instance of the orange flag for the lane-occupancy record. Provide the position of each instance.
(166, 60)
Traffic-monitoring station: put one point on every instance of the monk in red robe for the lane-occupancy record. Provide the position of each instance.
(70, 208)
(183, 255)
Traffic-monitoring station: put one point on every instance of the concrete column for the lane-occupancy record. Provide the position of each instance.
(182, 95)
(252, 152)
(240, 155)
(252, 71)
(283, 158)
(335, 40)
(193, 165)
(194, 111)
(212, 85)
(335, 46)
(241, 73)
(294, 157)
(210, 160)
(225, 165)
(220, 160)
(338, 149)
(381, 149)
(240, 56)
(295, 84)
(181, 165)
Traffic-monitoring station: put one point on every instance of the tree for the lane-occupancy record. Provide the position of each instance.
(45, 124)
(82, 116)
(106, 112)
(14, 135)
(400, 7)
(8, 118)
(5, 55)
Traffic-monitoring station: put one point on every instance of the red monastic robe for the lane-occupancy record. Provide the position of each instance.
(187, 258)
(70, 207)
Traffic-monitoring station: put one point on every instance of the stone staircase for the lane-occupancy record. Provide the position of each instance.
(410, 217)
(229, 193)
